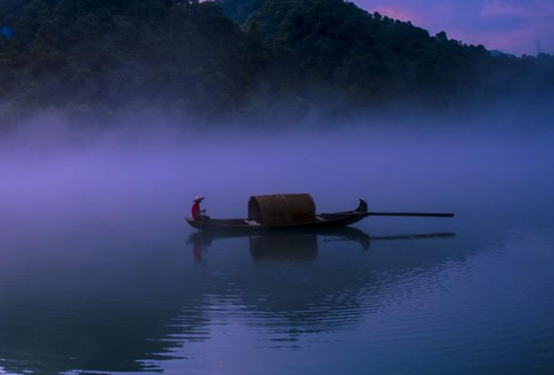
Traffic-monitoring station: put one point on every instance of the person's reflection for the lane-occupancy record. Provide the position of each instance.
(199, 244)
(197, 251)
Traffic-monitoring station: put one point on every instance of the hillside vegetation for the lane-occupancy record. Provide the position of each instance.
(234, 57)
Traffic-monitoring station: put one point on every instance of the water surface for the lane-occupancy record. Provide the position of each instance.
(99, 273)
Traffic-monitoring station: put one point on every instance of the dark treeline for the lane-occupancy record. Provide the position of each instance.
(116, 55)
(237, 57)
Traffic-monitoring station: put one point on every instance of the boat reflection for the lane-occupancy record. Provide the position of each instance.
(298, 245)
(314, 282)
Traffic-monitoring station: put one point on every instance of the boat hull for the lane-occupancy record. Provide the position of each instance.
(243, 226)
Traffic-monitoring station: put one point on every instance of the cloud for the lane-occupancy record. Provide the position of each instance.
(510, 25)
(537, 24)
(397, 13)
(500, 8)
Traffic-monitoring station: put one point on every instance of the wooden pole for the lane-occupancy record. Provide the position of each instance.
(412, 214)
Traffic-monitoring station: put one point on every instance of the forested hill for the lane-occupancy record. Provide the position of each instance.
(372, 58)
(112, 55)
(237, 57)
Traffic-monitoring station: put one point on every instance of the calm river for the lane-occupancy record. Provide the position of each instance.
(99, 273)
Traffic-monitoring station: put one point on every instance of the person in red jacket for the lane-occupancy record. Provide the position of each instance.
(197, 213)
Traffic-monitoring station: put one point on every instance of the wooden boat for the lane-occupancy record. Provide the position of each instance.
(331, 220)
(290, 212)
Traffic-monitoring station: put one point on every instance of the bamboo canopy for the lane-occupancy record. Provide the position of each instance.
(281, 209)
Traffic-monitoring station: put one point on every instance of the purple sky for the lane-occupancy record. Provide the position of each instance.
(512, 26)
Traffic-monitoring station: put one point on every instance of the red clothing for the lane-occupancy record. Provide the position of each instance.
(196, 211)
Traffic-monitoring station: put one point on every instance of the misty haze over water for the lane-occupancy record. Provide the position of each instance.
(100, 273)
(114, 114)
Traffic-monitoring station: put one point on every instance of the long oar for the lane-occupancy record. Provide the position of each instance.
(412, 214)
(201, 223)
(202, 218)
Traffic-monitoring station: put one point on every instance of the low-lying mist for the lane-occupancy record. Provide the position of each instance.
(496, 165)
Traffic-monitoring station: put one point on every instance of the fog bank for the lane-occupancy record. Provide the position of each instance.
(475, 167)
